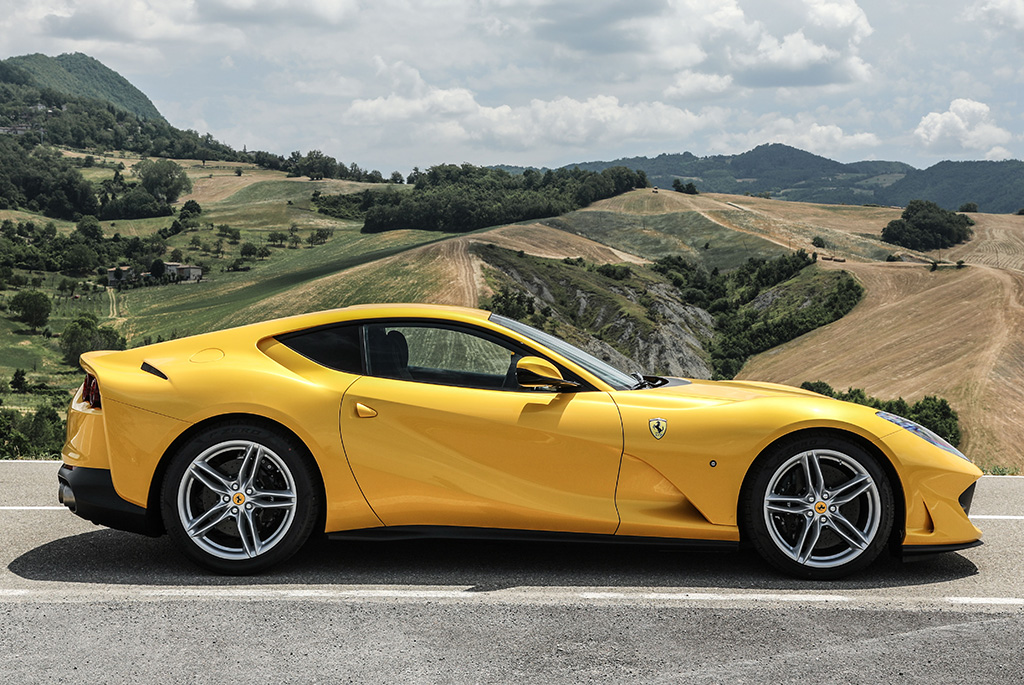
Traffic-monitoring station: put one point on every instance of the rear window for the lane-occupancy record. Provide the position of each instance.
(336, 347)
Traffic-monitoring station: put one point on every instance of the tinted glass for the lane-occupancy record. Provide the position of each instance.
(437, 354)
(336, 347)
(620, 380)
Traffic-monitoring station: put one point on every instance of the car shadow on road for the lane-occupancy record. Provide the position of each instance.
(112, 557)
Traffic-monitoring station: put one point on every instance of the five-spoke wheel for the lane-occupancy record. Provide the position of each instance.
(238, 498)
(819, 507)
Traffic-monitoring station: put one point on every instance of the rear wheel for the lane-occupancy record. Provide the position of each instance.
(239, 498)
(819, 507)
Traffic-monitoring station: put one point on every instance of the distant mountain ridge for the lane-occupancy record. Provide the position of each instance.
(79, 75)
(788, 173)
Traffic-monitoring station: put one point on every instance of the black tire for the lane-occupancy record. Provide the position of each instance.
(239, 497)
(818, 507)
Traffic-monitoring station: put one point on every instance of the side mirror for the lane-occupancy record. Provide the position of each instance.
(534, 372)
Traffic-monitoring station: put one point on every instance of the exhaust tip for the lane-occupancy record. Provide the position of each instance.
(67, 496)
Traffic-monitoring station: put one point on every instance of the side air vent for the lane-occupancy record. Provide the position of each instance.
(149, 368)
(967, 497)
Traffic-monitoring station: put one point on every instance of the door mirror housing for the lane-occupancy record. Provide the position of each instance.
(535, 372)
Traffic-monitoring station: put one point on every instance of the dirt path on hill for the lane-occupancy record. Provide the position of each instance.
(952, 333)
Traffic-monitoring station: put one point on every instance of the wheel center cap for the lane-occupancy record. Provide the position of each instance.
(238, 498)
(820, 507)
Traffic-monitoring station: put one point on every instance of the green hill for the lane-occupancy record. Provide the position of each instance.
(996, 187)
(79, 75)
(787, 173)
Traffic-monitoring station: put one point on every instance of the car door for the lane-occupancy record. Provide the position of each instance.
(439, 433)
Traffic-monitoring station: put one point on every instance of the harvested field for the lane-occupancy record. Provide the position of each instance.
(953, 333)
(998, 241)
(544, 241)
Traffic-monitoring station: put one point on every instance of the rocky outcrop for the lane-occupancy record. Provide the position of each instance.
(669, 339)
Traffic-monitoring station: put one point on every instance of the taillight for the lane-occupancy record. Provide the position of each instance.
(91, 391)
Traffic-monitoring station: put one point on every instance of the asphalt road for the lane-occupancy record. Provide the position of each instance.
(84, 604)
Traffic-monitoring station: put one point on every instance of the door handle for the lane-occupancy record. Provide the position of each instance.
(364, 412)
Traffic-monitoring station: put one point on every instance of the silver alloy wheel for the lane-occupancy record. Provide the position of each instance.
(822, 508)
(237, 500)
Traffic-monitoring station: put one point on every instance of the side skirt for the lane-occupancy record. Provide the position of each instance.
(383, 534)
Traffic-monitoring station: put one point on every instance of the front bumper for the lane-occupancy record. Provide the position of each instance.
(90, 493)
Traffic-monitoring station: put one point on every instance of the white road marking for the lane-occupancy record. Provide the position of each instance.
(524, 595)
(985, 600)
(997, 517)
(718, 596)
(35, 507)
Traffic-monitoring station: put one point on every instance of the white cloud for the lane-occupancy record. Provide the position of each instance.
(691, 84)
(998, 153)
(1003, 14)
(802, 131)
(844, 16)
(966, 126)
(455, 116)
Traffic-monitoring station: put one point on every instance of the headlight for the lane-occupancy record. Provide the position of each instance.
(921, 432)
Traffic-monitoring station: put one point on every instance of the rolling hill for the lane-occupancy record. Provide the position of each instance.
(79, 75)
(788, 173)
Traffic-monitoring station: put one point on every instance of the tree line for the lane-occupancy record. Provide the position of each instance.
(934, 413)
(451, 197)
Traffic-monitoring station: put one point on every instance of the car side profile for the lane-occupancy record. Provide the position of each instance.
(391, 420)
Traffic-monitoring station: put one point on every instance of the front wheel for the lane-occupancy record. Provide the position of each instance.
(239, 498)
(819, 507)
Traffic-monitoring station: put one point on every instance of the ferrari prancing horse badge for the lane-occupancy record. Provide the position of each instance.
(658, 428)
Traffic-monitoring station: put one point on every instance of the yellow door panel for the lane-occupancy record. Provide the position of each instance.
(428, 454)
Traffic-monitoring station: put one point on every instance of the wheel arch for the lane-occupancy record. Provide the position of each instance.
(153, 508)
(899, 500)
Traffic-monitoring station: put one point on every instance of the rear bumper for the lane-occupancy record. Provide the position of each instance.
(90, 493)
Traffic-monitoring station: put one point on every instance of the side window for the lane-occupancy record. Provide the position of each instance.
(435, 354)
(336, 347)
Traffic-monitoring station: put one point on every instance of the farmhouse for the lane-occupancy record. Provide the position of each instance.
(127, 274)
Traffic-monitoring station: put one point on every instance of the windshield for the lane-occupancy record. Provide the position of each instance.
(606, 372)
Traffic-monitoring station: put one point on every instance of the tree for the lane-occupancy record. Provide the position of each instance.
(968, 207)
(263, 252)
(89, 229)
(84, 334)
(192, 207)
(248, 250)
(32, 306)
(19, 382)
(163, 179)
(177, 255)
(157, 269)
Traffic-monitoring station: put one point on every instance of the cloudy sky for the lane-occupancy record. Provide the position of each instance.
(392, 84)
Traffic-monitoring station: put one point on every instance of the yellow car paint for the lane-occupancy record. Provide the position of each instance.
(441, 455)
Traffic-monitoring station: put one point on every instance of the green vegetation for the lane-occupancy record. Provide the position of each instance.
(79, 75)
(926, 226)
(687, 188)
(762, 304)
(934, 413)
(85, 334)
(32, 436)
(32, 307)
(682, 233)
(40, 180)
(448, 197)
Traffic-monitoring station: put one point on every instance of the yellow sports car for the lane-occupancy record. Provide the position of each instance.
(393, 420)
